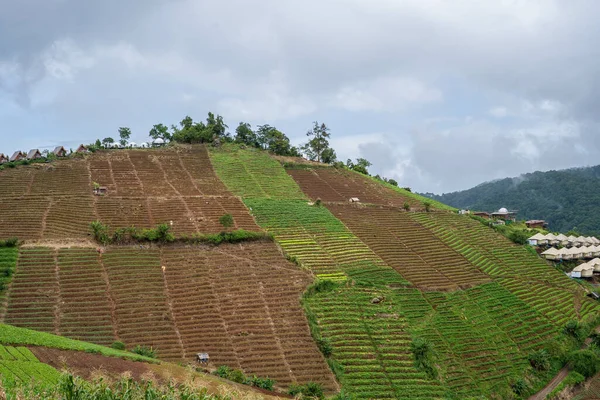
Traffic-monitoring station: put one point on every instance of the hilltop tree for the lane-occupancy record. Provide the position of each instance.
(360, 165)
(107, 141)
(317, 148)
(272, 139)
(244, 134)
(124, 134)
(160, 131)
(199, 132)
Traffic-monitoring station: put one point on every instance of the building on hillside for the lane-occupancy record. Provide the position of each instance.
(482, 214)
(562, 239)
(505, 215)
(34, 154)
(158, 142)
(552, 254)
(595, 251)
(537, 240)
(552, 239)
(3, 159)
(595, 263)
(132, 145)
(17, 156)
(59, 151)
(536, 223)
(576, 253)
(583, 271)
(571, 240)
(464, 212)
(587, 251)
(595, 240)
(81, 149)
(144, 145)
(565, 254)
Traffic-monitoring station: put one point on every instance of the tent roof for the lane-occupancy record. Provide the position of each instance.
(550, 236)
(595, 261)
(561, 237)
(572, 238)
(538, 236)
(552, 251)
(583, 267)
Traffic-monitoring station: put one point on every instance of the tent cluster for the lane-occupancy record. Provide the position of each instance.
(561, 240)
(572, 253)
(35, 154)
(586, 270)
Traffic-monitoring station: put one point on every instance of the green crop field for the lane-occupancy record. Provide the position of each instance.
(510, 305)
(18, 364)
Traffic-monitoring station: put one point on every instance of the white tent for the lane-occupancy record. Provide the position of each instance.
(552, 254)
(583, 271)
(595, 240)
(576, 253)
(565, 254)
(144, 145)
(595, 263)
(572, 239)
(562, 239)
(537, 239)
(552, 240)
(158, 142)
(580, 241)
(132, 144)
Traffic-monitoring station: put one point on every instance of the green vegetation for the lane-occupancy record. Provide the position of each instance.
(424, 355)
(10, 242)
(309, 390)
(145, 351)
(11, 335)
(226, 220)
(317, 148)
(75, 388)
(566, 199)
(19, 365)
(118, 345)
(8, 261)
(236, 375)
(585, 362)
(573, 379)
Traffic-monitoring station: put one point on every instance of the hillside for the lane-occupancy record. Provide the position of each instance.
(341, 297)
(566, 199)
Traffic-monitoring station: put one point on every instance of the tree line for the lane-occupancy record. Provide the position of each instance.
(265, 137)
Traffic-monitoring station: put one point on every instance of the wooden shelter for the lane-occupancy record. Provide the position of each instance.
(3, 159)
(34, 154)
(536, 223)
(202, 358)
(82, 149)
(505, 215)
(59, 151)
(482, 214)
(17, 156)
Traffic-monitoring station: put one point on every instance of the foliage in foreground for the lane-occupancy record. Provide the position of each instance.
(75, 388)
(10, 242)
(238, 376)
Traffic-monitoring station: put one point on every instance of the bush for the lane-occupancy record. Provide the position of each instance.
(325, 346)
(424, 355)
(318, 202)
(406, 206)
(226, 220)
(427, 206)
(263, 383)
(585, 362)
(572, 328)
(10, 242)
(311, 390)
(520, 387)
(100, 232)
(540, 360)
(519, 236)
(118, 345)
(144, 351)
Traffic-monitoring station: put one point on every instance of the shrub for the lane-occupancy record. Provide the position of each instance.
(311, 390)
(144, 351)
(406, 206)
(118, 345)
(226, 220)
(423, 353)
(100, 232)
(585, 362)
(392, 182)
(572, 328)
(427, 206)
(321, 286)
(519, 236)
(325, 346)
(540, 360)
(520, 387)
(318, 202)
(10, 242)
(263, 383)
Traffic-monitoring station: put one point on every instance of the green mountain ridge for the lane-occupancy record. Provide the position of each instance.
(567, 199)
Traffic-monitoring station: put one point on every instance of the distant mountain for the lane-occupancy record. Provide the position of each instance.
(566, 199)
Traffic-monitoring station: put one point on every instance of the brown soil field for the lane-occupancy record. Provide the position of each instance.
(333, 185)
(414, 251)
(177, 186)
(239, 303)
(91, 366)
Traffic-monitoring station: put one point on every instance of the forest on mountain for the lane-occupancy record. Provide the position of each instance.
(567, 199)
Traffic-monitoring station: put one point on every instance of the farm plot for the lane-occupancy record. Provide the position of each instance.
(141, 308)
(259, 327)
(253, 174)
(8, 262)
(33, 297)
(22, 217)
(372, 344)
(411, 249)
(85, 302)
(335, 185)
(68, 217)
(20, 364)
(542, 287)
(61, 178)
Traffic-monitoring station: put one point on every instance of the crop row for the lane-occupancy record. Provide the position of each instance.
(253, 174)
(333, 185)
(239, 303)
(542, 287)
(407, 246)
(20, 364)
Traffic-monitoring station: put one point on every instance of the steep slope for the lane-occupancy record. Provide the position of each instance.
(239, 303)
(482, 324)
(567, 199)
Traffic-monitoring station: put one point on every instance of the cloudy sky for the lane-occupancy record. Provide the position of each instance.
(440, 95)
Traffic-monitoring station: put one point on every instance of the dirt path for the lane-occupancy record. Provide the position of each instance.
(541, 395)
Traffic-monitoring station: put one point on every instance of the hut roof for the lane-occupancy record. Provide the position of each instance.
(552, 251)
(595, 240)
(550, 236)
(572, 238)
(33, 153)
(583, 267)
(595, 261)
(561, 237)
(58, 149)
(538, 236)
(16, 155)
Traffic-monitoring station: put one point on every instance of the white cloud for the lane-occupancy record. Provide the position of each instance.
(498, 112)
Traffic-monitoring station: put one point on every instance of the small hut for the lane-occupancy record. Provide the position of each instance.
(354, 200)
(17, 156)
(144, 145)
(595, 240)
(587, 251)
(552, 240)
(482, 214)
(571, 240)
(3, 159)
(132, 145)
(158, 142)
(595, 251)
(583, 271)
(202, 358)
(576, 253)
(81, 149)
(34, 154)
(565, 254)
(536, 223)
(562, 239)
(537, 240)
(552, 254)
(59, 151)
(595, 263)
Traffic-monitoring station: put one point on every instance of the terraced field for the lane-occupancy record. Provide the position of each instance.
(544, 288)
(178, 300)
(145, 187)
(19, 364)
(411, 249)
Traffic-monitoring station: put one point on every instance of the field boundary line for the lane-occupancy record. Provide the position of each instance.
(58, 295)
(169, 302)
(183, 167)
(111, 300)
(45, 216)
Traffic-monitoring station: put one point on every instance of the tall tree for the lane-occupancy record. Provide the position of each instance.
(160, 131)
(272, 139)
(124, 134)
(244, 134)
(360, 165)
(317, 148)
(107, 141)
